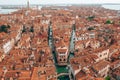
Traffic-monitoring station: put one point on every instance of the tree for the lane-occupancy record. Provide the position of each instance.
(8, 26)
(107, 78)
(90, 28)
(90, 18)
(32, 29)
(4, 28)
(109, 22)
(24, 29)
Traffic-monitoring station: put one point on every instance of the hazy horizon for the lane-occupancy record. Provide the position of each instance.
(23, 2)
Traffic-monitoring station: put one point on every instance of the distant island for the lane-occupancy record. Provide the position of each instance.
(33, 5)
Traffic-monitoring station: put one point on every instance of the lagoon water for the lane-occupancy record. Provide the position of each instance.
(113, 7)
(6, 11)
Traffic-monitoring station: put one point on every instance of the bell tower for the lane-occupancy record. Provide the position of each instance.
(118, 13)
(28, 4)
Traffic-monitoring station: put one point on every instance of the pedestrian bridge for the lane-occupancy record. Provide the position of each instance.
(63, 74)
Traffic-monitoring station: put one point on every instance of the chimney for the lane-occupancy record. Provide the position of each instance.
(39, 72)
(86, 70)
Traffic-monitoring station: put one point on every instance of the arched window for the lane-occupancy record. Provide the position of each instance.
(64, 59)
(60, 59)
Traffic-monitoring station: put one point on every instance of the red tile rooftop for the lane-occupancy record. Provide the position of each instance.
(33, 48)
(117, 72)
(115, 55)
(100, 65)
(82, 76)
(61, 50)
(83, 61)
(115, 64)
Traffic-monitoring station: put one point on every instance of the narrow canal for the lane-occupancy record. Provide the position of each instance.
(72, 42)
(61, 69)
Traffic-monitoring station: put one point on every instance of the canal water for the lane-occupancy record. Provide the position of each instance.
(62, 69)
(63, 78)
(59, 69)
(7, 11)
(113, 7)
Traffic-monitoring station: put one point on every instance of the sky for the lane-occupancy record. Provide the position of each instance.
(17, 2)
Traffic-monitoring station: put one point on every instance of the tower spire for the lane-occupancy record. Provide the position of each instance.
(28, 4)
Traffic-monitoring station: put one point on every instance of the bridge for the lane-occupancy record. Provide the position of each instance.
(63, 74)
